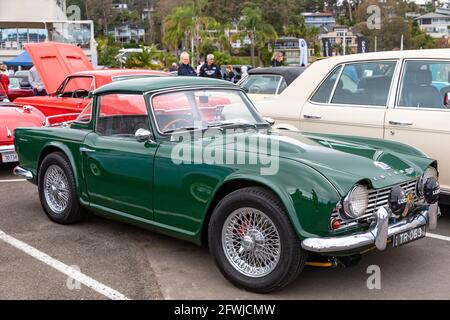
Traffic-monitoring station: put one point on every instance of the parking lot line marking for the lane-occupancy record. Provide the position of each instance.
(13, 180)
(63, 268)
(437, 236)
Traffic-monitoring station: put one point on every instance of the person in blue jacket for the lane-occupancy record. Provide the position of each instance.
(185, 68)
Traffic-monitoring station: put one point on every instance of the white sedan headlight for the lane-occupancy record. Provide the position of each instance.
(356, 201)
(428, 173)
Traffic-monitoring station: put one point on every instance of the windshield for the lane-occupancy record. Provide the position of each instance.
(200, 109)
(262, 84)
(14, 83)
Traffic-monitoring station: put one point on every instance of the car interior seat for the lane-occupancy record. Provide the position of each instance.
(418, 90)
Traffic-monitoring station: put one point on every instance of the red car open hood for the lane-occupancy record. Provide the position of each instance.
(55, 61)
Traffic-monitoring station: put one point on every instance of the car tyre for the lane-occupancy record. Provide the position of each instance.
(253, 242)
(57, 190)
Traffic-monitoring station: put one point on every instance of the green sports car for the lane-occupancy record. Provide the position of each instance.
(191, 157)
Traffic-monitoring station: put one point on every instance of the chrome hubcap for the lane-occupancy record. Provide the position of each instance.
(251, 242)
(56, 189)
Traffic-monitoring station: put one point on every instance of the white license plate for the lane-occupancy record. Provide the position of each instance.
(408, 236)
(10, 157)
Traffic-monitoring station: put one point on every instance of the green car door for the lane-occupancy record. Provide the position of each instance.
(118, 168)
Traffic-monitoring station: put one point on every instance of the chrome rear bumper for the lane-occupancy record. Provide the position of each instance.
(9, 148)
(19, 171)
(377, 235)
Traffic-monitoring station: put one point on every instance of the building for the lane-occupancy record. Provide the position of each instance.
(436, 24)
(290, 47)
(128, 33)
(319, 19)
(337, 34)
(28, 21)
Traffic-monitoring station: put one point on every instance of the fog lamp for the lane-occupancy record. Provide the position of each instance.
(431, 190)
(397, 200)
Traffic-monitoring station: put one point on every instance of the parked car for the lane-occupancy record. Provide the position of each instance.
(124, 158)
(395, 96)
(18, 88)
(69, 77)
(265, 83)
(11, 117)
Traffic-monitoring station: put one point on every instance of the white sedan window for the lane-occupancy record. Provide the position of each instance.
(424, 84)
(364, 84)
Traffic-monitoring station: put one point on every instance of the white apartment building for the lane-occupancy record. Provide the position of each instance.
(436, 24)
(27, 21)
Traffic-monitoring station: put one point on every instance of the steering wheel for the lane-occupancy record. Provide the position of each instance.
(171, 124)
(254, 89)
(78, 93)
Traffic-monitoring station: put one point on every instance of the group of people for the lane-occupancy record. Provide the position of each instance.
(207, 69)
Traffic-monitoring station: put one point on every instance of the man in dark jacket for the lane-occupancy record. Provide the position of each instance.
(209, 69)
(185, 68)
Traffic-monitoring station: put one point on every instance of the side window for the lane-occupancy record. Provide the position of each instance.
(78, 87)
(86, 115)
(424, 84)
(283, 85)
(121, 115)
(324, 92)
(365, 84)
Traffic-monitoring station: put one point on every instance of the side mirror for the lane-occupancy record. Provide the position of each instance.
(447, 99)
(142, 135)
(269, 121)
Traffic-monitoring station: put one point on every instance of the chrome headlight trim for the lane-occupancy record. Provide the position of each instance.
(348, 203)
(429, 172)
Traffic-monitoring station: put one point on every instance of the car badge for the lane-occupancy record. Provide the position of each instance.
(381, 165)
(409, 204)
(8, 133)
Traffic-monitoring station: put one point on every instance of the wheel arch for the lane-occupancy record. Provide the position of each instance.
(53, 147)
(239, 182)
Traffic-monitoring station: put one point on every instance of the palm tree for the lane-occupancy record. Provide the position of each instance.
(256, 29)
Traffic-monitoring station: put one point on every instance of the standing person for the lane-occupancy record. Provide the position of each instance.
(185, 68)
(277, 59)
(4, 79)
(173, 68)
(209, 69)
(229, 74)
(36, 83)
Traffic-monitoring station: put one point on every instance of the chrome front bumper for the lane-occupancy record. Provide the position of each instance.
(21, 172)
(377, 235)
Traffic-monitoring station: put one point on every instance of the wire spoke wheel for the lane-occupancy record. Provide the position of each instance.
(56, 189)
(251, 242)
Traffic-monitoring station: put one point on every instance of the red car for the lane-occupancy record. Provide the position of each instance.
(69, 77)
(11, 117)
(16, 90)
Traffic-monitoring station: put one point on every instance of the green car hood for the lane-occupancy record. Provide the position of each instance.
(341, 160)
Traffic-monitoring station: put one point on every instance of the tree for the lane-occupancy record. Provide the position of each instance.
(256, 29)
(149, 58)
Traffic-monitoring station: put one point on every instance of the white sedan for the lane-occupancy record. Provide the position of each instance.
(398, 96)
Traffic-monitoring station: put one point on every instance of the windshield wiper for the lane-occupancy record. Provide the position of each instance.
(235, 124)
(183, 129)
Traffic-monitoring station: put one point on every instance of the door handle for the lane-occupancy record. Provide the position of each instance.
(86, 150)
(311, 116)
(400, 123)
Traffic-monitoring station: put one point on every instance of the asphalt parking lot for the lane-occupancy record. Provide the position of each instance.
(138, 264)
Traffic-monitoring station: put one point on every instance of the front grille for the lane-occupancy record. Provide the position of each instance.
(377, 198)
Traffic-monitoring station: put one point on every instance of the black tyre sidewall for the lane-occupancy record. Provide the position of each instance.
(292, 256)
(72, 213)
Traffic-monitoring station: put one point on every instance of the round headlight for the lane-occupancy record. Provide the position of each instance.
(356, 202)
(430, 172)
